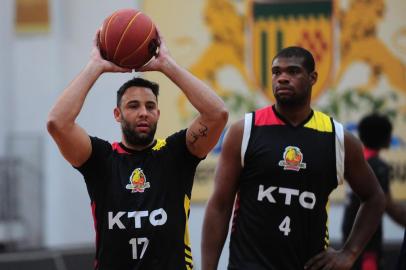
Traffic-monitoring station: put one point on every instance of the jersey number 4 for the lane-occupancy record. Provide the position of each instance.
(285, 226)
(139, 242)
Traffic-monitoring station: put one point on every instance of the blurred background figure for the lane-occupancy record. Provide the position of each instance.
(375, 132)
(402, 255)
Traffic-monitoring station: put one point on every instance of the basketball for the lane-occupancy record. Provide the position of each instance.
(128, 38)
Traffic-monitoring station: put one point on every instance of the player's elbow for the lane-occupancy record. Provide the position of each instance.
(221, 204)
(379, 200)
(218, 110)
(52, 124)
(223, 115)
(55, 125)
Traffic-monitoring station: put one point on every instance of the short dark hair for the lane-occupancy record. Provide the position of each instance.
(299, 52)
(375, 130)
(136, 81)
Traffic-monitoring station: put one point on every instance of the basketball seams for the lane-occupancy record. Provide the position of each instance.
(139, 47)
(127, 39)
(106, 32)
(123, 34)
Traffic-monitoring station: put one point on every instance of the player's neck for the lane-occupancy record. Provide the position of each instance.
(294, 114)
(136, 147)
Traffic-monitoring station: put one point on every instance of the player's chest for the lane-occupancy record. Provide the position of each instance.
(290, 151)
(140, 183)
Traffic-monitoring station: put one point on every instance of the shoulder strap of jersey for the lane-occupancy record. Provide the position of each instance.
(340, 151)
(246, 135)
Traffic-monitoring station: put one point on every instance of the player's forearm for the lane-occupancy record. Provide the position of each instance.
(366, 223)
(203, 98)
(69, 104)
(215, 229)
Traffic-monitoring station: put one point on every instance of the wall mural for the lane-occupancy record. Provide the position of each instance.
(31, 16)
(359, 48)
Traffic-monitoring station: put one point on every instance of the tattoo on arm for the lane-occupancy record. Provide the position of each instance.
(201, 132)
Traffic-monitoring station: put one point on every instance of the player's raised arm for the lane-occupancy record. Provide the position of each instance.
(204, 132)
(72, 140)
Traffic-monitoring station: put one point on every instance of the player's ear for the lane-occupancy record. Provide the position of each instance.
(313, 77)
(117, 114)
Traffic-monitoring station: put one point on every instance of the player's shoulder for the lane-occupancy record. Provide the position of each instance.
(176, 137)
(101, 145)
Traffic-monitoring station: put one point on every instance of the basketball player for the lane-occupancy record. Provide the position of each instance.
(139, 188)
(278, 167)
(375, 132)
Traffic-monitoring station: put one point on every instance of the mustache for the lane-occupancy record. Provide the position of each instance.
(280, 87)
(137, 139)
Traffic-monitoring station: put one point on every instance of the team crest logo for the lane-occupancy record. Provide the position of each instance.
(138, 181)
(281, 23)
(159, 144)
(292, 159)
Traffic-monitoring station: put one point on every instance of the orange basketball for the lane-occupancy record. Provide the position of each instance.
(128, 38)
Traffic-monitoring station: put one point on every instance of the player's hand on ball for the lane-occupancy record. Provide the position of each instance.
(161, 59)
(97, 59)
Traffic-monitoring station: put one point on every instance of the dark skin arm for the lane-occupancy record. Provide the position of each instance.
(364, 183)
(220, 204)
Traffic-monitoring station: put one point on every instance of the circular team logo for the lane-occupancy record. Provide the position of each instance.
(138, 182)
(292, 159)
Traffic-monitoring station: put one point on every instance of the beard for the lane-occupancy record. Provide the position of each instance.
(135, 138)
(291, 101)
(295, 100)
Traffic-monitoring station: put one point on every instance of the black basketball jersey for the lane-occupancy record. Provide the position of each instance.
(140, 202)
(280, 215)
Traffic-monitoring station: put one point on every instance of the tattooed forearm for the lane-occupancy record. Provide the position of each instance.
(201, 132)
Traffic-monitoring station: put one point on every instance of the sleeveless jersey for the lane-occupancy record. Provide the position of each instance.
(140, 202)
(280, 215)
